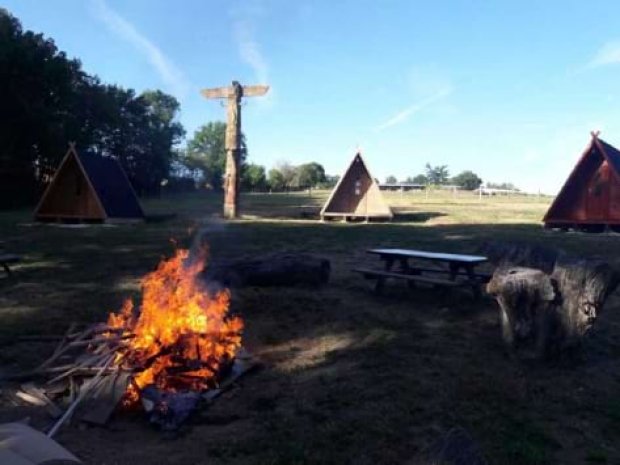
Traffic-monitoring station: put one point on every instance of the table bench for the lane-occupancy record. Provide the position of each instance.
(460, 271)
(7, 259)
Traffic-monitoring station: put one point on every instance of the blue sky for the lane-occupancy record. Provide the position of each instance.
(509, 90)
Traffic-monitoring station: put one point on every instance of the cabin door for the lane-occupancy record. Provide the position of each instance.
(598, 194)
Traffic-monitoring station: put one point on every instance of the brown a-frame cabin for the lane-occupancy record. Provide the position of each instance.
(356, 195)
(590, 197)
(89, 188)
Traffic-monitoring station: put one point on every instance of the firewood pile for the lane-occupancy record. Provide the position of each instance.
(178, 348)
(91, 373)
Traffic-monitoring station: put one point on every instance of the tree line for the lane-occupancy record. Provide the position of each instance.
(440, 176)
(48, 100)
(204, 160)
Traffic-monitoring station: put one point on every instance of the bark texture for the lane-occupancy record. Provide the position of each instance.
(545, 311)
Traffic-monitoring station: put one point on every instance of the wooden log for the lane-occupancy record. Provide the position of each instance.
(525, 298)
(282, 269)
(584, 286)
(547, 313)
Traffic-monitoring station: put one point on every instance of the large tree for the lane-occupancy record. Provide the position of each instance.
(437, 174)
(467, 180)
(276, 180)
(206, 152)
(37, 87)
(47, 100)
(309, 175)
(253, 177)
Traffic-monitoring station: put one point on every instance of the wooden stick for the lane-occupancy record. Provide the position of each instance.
(99, 340)
(61, 350)
(92, 363)
(99, 329)
(85, 389)
(44, 371)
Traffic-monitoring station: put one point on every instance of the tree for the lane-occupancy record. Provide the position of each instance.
(391, 179)
(149, 158)
(206, 153)
(330, 181)
(420, 179)
(437, 174)
(288, 172)
(309, 175)
(253, 177)
(276, 180)
(48, 100)
(467, 180)
(502, 185)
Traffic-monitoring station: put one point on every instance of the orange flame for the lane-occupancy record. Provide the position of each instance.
(182, 335)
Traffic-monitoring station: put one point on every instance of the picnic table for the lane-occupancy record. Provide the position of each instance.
(439, 269)
(7, 259)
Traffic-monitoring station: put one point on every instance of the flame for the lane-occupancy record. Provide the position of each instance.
(182, 335)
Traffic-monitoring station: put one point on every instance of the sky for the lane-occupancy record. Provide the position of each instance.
(507, 89)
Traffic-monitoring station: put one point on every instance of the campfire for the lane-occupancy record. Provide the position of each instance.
(165, 354)
(181, 337)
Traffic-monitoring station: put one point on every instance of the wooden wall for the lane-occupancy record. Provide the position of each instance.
(71, 196)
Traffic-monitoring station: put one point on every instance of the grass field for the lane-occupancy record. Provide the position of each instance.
(348, 377)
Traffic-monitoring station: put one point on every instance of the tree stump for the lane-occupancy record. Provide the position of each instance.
(502, 254)
(543, 314)
(282, 269)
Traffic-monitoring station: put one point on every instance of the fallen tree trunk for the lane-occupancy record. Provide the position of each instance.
(543, 314)
(284, 269)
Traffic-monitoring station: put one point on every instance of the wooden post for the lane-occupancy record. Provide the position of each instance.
(233, 93)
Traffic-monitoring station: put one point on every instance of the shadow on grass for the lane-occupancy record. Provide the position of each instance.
(416, 217)
(350, 377)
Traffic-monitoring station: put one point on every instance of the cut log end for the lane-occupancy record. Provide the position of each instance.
(547, 312)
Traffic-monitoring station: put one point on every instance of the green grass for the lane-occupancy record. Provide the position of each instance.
(348, 377)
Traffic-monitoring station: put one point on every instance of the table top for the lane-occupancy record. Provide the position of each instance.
(447, 257)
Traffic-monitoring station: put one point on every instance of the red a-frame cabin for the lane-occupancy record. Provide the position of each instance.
(590, 197)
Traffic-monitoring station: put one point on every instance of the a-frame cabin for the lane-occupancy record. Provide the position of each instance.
(89, 188)
(356, 195)
(590, 197)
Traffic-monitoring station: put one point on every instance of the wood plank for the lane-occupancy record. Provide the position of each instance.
(218, 92)
(36, 396)
(251, 91)
(368, 273)
(439, 256)
(103, 401)
(483, 277)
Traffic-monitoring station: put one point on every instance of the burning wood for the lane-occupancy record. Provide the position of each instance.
(164, 355)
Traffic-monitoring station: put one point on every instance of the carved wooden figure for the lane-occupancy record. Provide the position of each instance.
(233, 94)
